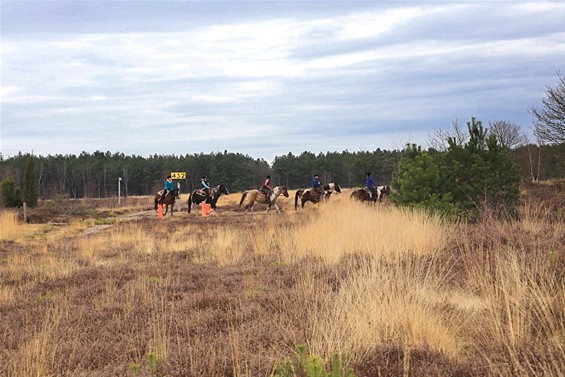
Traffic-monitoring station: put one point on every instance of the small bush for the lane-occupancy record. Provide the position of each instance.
(310, 366)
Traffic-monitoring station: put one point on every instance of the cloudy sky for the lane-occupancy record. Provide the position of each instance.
(265, 78)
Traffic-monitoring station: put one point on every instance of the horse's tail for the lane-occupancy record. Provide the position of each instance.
(189, 202)
(243, 196)
(156, 203)
(296, 197)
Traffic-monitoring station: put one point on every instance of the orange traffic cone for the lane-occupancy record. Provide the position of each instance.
(159, 211)
(205, 209)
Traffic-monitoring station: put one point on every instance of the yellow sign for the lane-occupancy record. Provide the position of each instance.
(178, 175)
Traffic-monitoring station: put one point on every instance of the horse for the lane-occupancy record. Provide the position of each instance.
(365, 195)
(168, 200)
(199, 196)
(253, 196)
(330, 188)
(315, 197)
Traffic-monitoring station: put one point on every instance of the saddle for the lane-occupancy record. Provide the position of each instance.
(267, 195)
(201, 192)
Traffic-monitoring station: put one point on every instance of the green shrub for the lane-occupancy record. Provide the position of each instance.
(310, 366)
(10, 196)
(462, 181)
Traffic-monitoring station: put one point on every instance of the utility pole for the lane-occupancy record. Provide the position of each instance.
(119, 195)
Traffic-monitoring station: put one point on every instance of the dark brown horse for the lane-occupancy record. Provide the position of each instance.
(168, 200)
(365, 195)
(199, 196)
(311, 195)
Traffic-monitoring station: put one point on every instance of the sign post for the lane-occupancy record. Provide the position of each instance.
(178, 175)
(119, 194)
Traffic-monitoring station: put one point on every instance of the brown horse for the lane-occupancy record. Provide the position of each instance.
(199, 196)
(310, 195)
(252, 196)
(365, 195)
(168, 200)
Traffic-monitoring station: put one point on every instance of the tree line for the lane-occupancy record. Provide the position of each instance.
(98, 174)
(95, 175)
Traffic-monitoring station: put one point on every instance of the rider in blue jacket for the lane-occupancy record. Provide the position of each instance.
(315, 181)
(205, 185)
(169, 186)
(370, 185)
(317, 186)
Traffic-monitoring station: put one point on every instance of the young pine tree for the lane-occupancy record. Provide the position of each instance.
(9, 193)
(29, 194)
(418, 183)
(480, 174)
(462, 181)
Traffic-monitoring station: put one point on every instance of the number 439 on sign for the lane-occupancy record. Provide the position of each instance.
(178, 175)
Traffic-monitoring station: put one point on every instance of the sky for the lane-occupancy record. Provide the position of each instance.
(265, 78)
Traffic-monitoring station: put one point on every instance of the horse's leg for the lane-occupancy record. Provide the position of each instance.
(277, 208)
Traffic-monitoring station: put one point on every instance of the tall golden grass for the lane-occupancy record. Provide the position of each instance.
(8, 225)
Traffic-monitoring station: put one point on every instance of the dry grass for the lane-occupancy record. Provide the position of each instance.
(395, 292)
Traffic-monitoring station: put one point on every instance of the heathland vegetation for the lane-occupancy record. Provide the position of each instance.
(93, 289)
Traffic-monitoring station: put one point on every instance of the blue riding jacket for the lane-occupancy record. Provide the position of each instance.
(369, 183)
(204, 184)
(169, 185)
(315, 182)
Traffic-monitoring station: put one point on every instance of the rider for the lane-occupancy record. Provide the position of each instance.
(205, 185)
(266, 189)
(370, 185)
(169, 186)
(317, 185)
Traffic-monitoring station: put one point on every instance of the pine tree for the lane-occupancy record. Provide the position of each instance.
(480, 174)
(418, 183)
(29, 194)
(9, 194)
(464, 180)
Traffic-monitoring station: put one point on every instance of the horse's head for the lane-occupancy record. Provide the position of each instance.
(335, 186)
(384, 189)
(176, 193)
(284, 191)
(223, 189)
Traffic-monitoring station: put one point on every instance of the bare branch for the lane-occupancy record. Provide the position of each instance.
(507, 134)
(549, 122)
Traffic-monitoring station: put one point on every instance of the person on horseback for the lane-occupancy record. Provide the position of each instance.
(169, 186)
(266, 189)
(205, 185)
(370, 185)
(317, 186)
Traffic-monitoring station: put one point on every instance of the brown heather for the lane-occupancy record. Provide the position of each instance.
(90, 289)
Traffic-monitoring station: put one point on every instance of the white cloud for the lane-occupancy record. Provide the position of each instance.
(413, 65)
